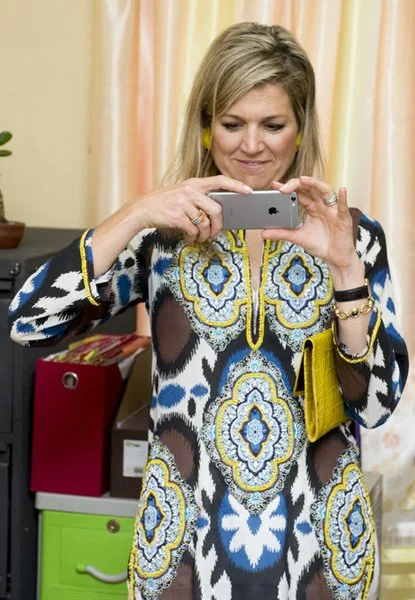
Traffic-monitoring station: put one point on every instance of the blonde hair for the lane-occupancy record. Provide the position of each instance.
(243, 57)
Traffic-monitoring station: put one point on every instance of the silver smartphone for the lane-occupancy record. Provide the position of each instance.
(264, 209)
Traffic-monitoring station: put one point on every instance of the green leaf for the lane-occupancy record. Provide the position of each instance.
(5, 152)
(5, 136)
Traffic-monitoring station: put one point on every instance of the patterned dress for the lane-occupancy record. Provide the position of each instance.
(236, 503)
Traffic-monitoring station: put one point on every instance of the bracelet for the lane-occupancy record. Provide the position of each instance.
(365, 309)
(354, 294)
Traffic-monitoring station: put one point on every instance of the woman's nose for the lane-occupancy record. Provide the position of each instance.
(252, 141)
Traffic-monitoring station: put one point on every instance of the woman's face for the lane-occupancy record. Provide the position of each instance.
(255, 140)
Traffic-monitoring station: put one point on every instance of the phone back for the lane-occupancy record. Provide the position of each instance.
(265, 209)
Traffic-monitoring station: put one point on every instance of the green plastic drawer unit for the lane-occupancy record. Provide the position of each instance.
(80, 552)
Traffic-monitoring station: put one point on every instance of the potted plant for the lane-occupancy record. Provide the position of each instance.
(11, 232)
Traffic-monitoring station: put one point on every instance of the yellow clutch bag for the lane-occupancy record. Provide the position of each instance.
(317, 382)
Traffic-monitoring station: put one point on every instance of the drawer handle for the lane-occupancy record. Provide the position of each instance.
(70, 380)
(113, 526)
(87, 569)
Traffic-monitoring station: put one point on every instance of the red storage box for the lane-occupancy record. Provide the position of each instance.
(74, 408)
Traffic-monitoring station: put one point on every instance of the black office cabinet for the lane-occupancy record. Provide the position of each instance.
(4, 515)
(18, 518)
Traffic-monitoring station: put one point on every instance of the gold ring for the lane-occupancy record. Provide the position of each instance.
(199, 218)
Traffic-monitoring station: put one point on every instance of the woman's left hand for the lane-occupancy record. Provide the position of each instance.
(327, 231)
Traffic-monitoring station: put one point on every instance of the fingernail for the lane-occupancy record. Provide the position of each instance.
(305, 177)
(248, 189)
(284, 187)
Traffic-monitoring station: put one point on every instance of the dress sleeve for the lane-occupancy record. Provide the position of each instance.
(63, 298)
(372, 382)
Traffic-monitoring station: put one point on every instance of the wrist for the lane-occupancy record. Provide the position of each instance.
(348, 276)
(137, 214)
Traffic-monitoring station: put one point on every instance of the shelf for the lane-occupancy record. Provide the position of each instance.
(105, 505)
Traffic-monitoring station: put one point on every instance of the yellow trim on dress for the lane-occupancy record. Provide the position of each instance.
(317, 303)
(367, 562)
(234, 464)
(131, 564)
(195, 299)
(84, 269)
(168, 547)
(261, 297)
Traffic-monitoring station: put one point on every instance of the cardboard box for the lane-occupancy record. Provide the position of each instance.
(129, 436)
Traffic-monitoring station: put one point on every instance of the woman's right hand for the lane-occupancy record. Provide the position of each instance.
(170, 207)
(176, 206)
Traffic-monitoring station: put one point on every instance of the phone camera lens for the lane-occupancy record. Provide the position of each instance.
(293, 198)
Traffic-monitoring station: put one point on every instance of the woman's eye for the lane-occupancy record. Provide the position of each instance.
(274, 126)
(231, 126)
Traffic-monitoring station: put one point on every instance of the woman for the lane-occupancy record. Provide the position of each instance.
(236, 501)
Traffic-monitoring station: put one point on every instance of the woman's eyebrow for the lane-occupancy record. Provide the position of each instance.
(268, 117)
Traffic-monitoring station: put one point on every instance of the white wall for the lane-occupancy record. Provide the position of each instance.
(46, 49)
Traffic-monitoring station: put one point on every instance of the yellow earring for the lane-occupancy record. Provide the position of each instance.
(298, 141)
(206, 138)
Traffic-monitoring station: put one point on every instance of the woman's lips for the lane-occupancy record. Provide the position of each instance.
(252, 165)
